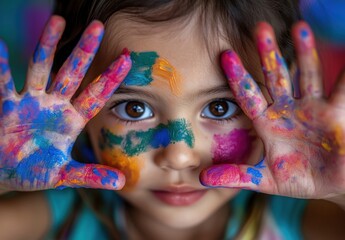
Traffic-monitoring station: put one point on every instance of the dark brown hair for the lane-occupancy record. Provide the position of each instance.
(232, 20)
(237, 18)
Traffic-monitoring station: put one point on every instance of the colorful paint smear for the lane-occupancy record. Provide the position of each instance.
(74, 69)
(40, 129)
(164, 69)
(145, 65)
(136, 142)
(233, 147)
(129, 166)
(243, 86)
(288, 166)
(230, 175)
(141, 71)
(95, 95)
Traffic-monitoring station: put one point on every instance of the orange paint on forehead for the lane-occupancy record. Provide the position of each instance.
(130, 166)
(164, 69)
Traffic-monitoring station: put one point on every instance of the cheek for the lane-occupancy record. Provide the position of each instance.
(130, 166)
(233, 147)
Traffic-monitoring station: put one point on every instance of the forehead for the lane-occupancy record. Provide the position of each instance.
(181, 42)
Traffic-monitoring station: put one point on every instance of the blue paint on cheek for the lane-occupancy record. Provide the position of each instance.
(256, 175)
(7, 106)
(161, 138)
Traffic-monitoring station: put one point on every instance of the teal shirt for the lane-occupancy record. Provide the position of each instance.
(285, 212)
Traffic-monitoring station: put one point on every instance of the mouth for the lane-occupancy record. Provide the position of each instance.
(179, 196)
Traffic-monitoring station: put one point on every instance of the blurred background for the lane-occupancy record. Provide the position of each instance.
(21, 22)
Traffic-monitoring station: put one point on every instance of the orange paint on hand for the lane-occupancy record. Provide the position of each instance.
(339, 139)
(164, 69)
(130, 166)
(271, 61)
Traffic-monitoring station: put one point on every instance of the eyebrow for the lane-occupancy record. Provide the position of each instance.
(131, 91)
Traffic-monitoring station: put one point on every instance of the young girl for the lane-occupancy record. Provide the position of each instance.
(172, 123)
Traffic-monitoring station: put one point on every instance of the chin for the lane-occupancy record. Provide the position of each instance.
(184, 217)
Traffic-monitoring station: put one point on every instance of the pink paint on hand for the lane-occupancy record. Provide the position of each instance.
(290, 165)
(93, 98)
(243, 86)
(233, 147)
(223, 175)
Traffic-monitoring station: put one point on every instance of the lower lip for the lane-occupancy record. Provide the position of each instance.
(179, 199)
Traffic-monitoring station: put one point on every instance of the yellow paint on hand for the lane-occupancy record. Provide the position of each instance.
(273, 115)
(326, 146)
(164, 69)
(339, 139)
(271, 61)
(301, 116)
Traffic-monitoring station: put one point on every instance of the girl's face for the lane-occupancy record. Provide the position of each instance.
(173, 116)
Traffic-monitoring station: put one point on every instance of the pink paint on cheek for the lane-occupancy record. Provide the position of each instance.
(233, 147)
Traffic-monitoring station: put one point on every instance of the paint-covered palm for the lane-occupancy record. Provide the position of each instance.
(38, 128)
(304, 138)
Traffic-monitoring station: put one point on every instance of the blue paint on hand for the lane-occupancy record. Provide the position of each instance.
(256, 175)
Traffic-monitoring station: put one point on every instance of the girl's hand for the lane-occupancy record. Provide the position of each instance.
(304, 138)
(39, 128)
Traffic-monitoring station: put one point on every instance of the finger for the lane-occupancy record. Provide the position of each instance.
(309, 68)
(274, 66)
(7, 88)
(73, 70)
(96, 94)
(256, 178)
(337, 97)
(90, 176)
(42, 60)
(244, 88)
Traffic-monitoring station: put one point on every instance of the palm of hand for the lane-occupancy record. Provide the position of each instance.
(304, 153)
(39, 127)
(35, 133)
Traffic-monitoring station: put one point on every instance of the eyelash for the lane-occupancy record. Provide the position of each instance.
(217, 121)
(125, 121)
(224, 121)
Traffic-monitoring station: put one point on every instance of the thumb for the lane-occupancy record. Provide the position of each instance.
(256, 178)
(97, 176)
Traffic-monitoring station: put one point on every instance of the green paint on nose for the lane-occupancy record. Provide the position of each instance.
(137, 142)
(141, 71)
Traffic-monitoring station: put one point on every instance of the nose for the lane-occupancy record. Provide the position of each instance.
(177, 156)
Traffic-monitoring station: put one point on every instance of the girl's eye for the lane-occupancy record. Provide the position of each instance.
(220, 109)
(132, 111)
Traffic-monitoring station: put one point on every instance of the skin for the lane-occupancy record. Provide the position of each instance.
(41, 126)
(180, 163)
(303, 138)
(171, 164)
